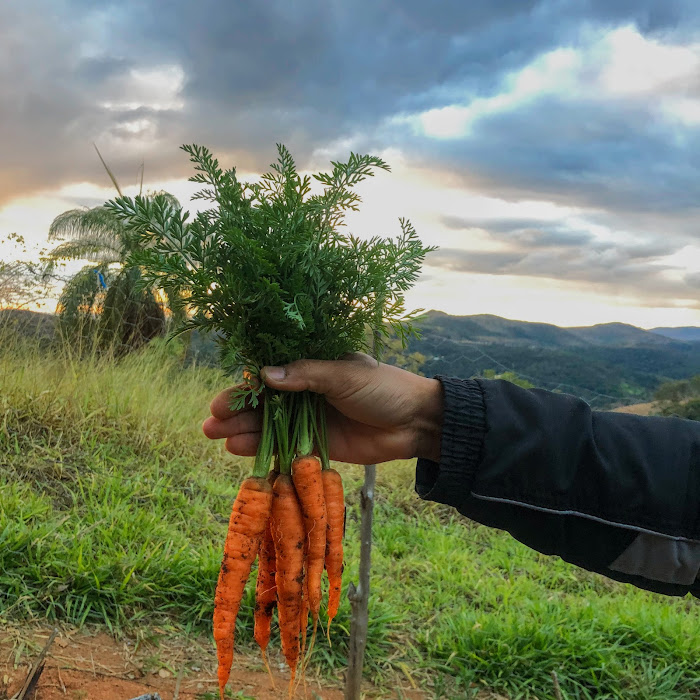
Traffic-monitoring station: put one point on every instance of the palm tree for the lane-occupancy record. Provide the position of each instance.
(104, 300)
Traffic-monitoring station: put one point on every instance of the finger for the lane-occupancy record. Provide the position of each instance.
(245, 422)
(220, 406)
(244, 445)
(334, 378)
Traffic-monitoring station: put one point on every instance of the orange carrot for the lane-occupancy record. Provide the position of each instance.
(335, 508)
(265, 591)
(288, 535)
(306, 473)
(250, 513)
(265, 588)
(304, 616)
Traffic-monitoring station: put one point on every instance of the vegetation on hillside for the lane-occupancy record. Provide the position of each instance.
(680, 398)
(603, 376)
(20, 282)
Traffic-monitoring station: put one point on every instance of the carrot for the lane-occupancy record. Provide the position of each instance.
(304, 618)
(288, 535)
(335, 507)
(306, 473)
(250, 513)
(265, 588)
(265, 592)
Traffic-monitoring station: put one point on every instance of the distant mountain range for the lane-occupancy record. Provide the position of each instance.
(484, 328)
(687, 333)
(607, 364)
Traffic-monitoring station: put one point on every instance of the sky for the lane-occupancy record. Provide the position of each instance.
(550, 148)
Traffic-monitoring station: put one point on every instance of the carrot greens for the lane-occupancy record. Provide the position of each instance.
(270, 270)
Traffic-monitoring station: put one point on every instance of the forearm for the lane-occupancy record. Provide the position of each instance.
(613, 493)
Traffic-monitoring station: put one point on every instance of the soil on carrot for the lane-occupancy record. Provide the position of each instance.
(93, 665)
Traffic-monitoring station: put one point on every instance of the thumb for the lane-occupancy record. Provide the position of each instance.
(329, 377)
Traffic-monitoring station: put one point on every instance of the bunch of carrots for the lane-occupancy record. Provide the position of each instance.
(293, 520)
(269, 270)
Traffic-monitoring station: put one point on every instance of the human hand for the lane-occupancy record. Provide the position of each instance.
(375, 412)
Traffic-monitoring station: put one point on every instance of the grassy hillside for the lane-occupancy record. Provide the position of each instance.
(113, 509)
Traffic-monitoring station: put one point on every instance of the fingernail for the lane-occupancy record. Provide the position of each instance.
(277, 374)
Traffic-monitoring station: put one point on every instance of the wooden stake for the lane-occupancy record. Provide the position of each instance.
(179, 680)
(37, 667)
(359, 595)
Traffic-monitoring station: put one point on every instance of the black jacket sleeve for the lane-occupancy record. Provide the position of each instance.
(613, 493)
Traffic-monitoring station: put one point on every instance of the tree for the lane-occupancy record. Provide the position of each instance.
(674, 392)
(105, 300)
(680, 398)
(395, 354)
(19, 280)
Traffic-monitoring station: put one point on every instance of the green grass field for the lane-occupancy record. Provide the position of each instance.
(113, 510)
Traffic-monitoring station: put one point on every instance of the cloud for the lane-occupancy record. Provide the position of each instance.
(609, 124)
(693, 280)
(140, 81)
(531, 232)
(595, 258)
(609, 267)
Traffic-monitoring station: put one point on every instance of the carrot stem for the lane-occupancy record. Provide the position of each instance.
(321, 432)
(305, 443)
(266, 447)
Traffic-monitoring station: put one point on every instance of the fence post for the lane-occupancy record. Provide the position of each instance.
(359, 595)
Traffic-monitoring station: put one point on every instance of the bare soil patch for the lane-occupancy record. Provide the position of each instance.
(93, 665)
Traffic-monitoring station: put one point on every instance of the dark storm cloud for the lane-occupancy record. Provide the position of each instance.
(303, 73)
(614, 156)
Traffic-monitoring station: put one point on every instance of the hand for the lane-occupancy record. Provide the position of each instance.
(376, 412)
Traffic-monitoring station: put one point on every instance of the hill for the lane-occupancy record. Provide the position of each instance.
(484, 328)
(607, 364)
(28, 323)
(686, 333)
(487, 329)
(619, 335)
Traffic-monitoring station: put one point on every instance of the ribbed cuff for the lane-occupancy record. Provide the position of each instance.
(463, 429)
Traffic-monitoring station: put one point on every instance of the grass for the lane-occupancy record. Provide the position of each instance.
(113, 509)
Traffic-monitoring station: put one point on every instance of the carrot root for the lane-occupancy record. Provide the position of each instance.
(269, 670)
(288, 536)
(249, 515)
(335, 508)
(306, 473)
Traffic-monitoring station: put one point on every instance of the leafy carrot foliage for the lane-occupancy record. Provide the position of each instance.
(268, 266)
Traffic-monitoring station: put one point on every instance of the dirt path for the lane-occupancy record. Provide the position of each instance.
(92, 665)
